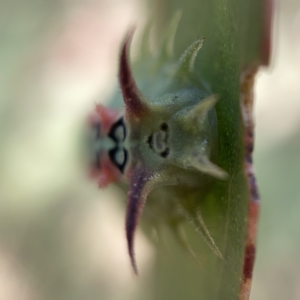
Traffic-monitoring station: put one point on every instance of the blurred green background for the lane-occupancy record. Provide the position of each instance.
(62, 238)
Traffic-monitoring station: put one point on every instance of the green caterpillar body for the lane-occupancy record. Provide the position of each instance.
(165, 140)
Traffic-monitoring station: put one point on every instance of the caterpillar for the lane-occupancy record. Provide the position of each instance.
(165, 140)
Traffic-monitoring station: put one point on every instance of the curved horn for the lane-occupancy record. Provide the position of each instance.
(133, 98)
(137, 197)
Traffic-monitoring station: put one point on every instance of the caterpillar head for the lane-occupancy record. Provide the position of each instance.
(109, 155)
(169, 140)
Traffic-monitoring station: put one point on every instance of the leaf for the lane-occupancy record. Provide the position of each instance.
(237, 42)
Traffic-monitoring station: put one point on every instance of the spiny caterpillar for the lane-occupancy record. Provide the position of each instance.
(165, 139)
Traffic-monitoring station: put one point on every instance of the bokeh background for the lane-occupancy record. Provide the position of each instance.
(62, 238)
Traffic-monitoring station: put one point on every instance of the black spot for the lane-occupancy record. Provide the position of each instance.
(164, 127)
(149, 141)
(165, 153)
(113, 157)
(114, 129)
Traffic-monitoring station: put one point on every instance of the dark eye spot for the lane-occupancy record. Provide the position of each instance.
(118, 131)
(164, 127)
(149, 141)
(165, 153)
(118, 156)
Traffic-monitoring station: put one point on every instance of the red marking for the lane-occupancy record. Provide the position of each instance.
(253, 218)
(108, 173)
(105, 116)
(249, 262)
(108, 117)
(247, 83)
